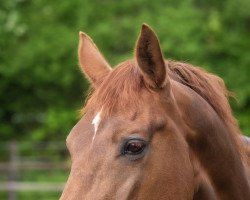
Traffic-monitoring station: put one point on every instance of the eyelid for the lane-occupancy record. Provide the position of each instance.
(136, 136)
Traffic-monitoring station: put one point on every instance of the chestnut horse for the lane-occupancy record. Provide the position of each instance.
(154, 129)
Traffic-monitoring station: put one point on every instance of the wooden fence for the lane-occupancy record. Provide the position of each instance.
(16, 163)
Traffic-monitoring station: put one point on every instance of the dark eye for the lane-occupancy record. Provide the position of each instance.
(134, 148)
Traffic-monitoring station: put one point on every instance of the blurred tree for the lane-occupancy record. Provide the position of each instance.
(41, 87)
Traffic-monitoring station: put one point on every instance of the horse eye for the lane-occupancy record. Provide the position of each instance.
(134, 147)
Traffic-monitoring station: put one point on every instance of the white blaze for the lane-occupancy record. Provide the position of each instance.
(96, 121)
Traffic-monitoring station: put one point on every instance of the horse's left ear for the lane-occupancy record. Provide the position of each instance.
(150, 59)
(92, 62)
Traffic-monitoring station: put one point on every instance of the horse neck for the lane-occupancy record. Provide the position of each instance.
(212, 143)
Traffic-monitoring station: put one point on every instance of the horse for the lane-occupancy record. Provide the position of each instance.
(154, 129)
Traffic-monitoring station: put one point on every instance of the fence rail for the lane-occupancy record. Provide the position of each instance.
(13, 186)
(34, 165)
(35, 158)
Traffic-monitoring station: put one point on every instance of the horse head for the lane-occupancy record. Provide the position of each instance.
(152, 129)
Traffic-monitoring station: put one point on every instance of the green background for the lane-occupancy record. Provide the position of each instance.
(41, 86)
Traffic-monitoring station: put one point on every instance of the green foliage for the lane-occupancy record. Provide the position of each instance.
(41, 87)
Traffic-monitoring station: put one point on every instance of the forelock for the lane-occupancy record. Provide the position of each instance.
(119, 90)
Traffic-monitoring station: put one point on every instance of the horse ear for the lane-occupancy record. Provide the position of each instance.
(92, 63)
(150, 59)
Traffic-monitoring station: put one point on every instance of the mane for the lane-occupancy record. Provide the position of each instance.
(209, 86)
(124, 85)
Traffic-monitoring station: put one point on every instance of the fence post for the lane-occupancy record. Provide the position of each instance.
(13, 169)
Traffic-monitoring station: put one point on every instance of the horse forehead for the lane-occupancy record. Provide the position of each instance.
(144, 113)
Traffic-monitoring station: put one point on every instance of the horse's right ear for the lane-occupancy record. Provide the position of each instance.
(150, 59)
(92, 63)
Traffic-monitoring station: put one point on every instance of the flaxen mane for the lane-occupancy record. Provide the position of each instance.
(122, 87)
